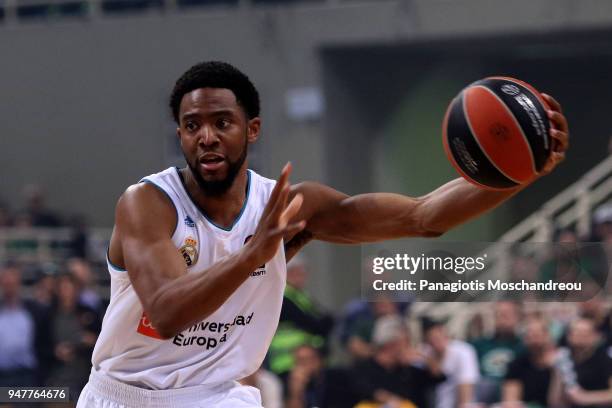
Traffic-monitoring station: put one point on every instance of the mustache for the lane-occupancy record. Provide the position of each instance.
(215, 188)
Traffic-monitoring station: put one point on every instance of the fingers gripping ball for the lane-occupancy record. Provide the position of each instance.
(496, 133)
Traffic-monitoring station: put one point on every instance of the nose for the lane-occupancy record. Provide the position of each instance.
(208, 137)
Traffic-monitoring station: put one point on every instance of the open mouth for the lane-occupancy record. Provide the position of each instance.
(211, 162)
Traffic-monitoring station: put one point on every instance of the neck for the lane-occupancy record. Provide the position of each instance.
(222, 209)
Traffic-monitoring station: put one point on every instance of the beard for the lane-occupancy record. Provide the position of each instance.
(217, 188)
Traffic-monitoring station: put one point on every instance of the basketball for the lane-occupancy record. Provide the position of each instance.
(496, 133)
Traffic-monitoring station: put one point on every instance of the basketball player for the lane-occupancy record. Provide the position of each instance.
(197, 256)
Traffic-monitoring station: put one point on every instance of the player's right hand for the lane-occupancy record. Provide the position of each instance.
(275, 220)
(559, 133)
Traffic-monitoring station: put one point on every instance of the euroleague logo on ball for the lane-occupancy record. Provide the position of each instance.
(511, 90)
(499, 131)
(495, 133)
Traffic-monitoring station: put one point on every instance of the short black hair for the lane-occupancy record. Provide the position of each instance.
(216, 74)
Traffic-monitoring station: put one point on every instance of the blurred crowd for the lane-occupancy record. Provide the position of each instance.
(48, 329)
(34, 212)
(536, 355)
(366, 355)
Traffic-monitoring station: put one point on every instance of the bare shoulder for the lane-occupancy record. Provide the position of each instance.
(143, 213)
(144, 202)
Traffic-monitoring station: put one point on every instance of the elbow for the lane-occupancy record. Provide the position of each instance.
(160, 319)
(166, 331)
(161, 324)
(167, 318)
(167, 334)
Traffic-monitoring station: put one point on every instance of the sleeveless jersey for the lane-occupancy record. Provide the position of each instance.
(229, 344)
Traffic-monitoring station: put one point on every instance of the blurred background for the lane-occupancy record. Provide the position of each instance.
(353, 94)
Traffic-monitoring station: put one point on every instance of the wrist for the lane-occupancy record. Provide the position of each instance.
(250, 257)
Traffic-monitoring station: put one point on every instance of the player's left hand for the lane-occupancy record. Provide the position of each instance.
(559, 132)
(276, 220)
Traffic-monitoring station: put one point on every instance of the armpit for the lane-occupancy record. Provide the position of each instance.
(296, 243)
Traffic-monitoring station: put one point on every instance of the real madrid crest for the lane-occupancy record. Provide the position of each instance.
(190, 251)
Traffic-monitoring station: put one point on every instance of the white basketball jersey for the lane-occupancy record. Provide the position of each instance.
(229, 344)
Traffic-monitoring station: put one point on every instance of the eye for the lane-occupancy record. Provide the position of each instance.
(191, 126)
(223, 123)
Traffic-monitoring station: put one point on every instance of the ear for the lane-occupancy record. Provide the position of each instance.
(178, 135)
(253, 129)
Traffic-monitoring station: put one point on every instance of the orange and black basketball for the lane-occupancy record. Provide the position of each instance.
(496, 133)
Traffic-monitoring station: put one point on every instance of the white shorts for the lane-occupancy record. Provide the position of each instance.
(104, 392)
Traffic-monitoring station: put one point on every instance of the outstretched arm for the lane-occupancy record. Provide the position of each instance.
(379, 216)
(335, 217)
